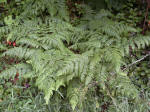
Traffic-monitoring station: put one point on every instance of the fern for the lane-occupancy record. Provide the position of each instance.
(20, 68)
(59, 55)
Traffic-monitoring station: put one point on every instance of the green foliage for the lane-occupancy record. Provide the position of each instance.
(69, 62)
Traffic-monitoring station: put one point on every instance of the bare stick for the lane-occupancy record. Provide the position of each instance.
(146, 15)
(137, 61)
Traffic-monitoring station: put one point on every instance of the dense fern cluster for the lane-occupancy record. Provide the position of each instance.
(58, 55)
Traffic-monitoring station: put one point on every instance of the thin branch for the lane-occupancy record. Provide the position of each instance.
(137, 61)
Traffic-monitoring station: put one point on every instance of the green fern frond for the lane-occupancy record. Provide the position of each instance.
(19, 52)
(73, 92)
(29, 42)
(21, 68)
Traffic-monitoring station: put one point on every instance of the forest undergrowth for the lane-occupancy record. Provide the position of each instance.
(74, 56)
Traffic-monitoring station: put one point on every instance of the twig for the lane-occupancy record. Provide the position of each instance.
(146, 15)
(137, 61)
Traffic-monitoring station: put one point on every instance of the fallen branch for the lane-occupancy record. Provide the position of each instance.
(136, 61)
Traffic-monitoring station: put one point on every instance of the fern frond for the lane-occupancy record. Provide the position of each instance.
(20, 52)
(29, 42)
(21, 68)
(73, 92)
